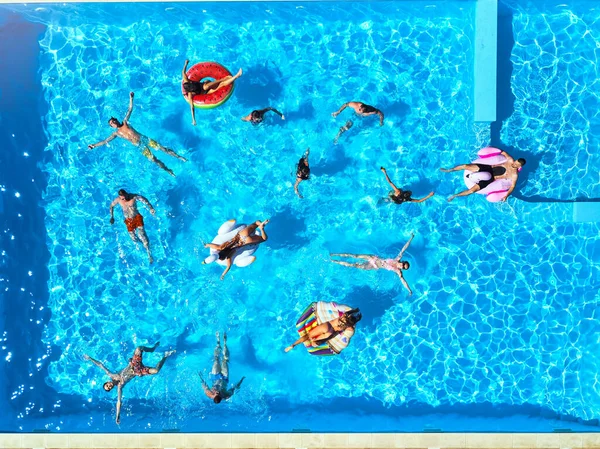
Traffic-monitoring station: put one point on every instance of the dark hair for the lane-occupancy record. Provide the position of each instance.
(112, 119)
(194, 87)
(350, 318)
(217, 399)
(522, 161)
(110, 383)
(407, 264)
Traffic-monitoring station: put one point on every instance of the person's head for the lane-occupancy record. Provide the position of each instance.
(108, 385)
(114, 123)
(354, 316)
(403, 264)
(217, 399)
(521, 161)
(123, 194)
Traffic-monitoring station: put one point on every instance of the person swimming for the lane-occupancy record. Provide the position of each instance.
(302, 171)
(342, 130)
(257, 116)
(400, 196)
(361, 109)
(193, 88)
(372, 262)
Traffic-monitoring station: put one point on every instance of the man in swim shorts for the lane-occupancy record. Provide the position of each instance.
(145, 144)
(257, 116)
(133, 219)
(219, 375)
(361, 109)
(133, 369)
(509, 169)
(302, 171)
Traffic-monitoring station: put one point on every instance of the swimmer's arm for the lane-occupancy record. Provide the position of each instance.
(227, 268)
(103, 142)
(396, 190)
(247, 118)
(183, 72)
(401, 276)
(126, 119)
(512, 187)
(380, 114)
(422, 199)
(99, 365)
(207, 390)
(412, 236)
(190, 99)
(238, 385)
(146, 203)
(119, 400)
(276, 112)
(112, 207)
(344, 106)
(507, 156)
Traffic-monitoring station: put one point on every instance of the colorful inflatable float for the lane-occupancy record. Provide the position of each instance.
(242, 257)
(215, 71)
(319, 313)
(497, 190)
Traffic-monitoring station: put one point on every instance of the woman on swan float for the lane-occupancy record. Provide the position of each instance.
(494, 174)
(241, 246)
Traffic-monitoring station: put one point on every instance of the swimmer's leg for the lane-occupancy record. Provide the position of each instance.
(225, 361)
(145, 242)
(296, 343)
(470, 167)
(355, 256)
(298, 181)
(133, 236)
(213, 86)
(160, 364)
(216, 369)
(161, 165)
(305, 156)
(158, 146)
(362, 266)
(472, 190)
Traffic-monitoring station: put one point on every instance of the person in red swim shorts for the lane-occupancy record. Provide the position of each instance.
(135, 368)
(133, 219)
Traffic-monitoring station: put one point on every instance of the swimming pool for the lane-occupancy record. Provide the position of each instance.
(500, 333)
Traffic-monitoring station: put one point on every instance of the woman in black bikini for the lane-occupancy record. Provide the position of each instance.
(324, 331)
(257, 116)
(302, 171)
(400, 196)
(193, 88)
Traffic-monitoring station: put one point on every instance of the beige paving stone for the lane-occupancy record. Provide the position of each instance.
(570, 440)
(102, 440)
(524, 440)
(489, 440)
(173, 440)
(312, 440)
(452, 441)
(10, 440)
(407, 440)
(149, 440)
(243, 440)
(590, 440)
(335, 440)
(547, 440)
(287, 440)
(267, 440)
(80, 440)
(126, 440)
(383, 440)
(56, 440)
(359, 440)
(33, 440)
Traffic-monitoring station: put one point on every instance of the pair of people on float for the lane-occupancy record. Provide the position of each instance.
(494, 174)
(145, 144)
(373, 262)
(236, 244)
(326, 328)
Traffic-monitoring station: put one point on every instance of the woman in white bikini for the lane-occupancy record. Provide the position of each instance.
(373, 262)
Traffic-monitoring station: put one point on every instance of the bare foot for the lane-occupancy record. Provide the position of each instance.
(150, 259)
(225, 337)
(217, 335)
(283, 117)
(170, 353)
(238, 74)
(289, 348)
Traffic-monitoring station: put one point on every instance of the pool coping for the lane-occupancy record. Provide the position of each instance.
(567, 440)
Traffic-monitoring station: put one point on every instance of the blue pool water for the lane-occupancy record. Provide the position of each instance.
(501, 332)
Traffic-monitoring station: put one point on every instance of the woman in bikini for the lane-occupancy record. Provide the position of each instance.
(243, 238)
(324, 331)
(302, 171)
(193, 88)
(373, 262)
(400, 196)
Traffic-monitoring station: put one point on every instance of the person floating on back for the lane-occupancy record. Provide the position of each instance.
(193, 88)
(509, 170)
(400, 196)
(133, 219)
(145, 144)
(257, 116)
(219, 375)
(361, 109)
(302, 171)
(373, 262)
(133, 369)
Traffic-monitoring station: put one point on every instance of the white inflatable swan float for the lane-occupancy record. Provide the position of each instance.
(242, 257)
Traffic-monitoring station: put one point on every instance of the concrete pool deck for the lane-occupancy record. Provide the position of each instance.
(305, 440)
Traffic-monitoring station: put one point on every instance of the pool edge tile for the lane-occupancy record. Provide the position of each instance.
(11, 440)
